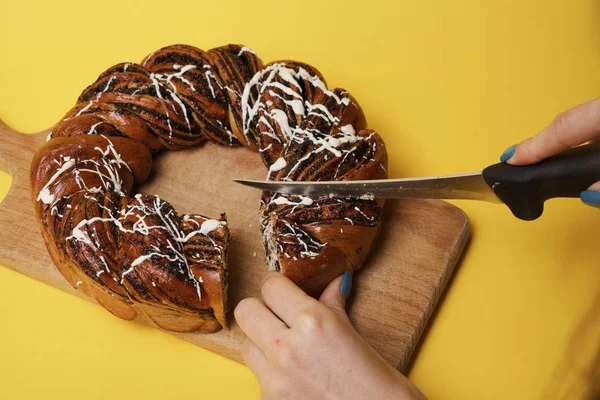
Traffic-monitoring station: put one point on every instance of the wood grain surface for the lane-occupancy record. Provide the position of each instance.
(394, 295)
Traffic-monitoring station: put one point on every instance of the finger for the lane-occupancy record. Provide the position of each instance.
(284, 297)
(571, 128)
(591, 198)
(595, 187)
(335, 294)
(255, 359)
(258, 322)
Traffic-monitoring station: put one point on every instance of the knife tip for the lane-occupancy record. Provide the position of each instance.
(246, 182)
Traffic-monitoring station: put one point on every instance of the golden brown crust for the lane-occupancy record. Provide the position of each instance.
(133, 253)
(236, 65)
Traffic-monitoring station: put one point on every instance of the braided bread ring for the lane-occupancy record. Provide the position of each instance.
(133, 253)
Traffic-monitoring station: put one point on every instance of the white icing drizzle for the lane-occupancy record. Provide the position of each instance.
(105, 264)
(244, 49)
(84, 109)
(169, 124)
(304, 201)
(278, 165)
(112, 77)
(149, 57)
(45, 196)
(264, 79)
(297, 234)
(93, 128)
(363, 214)
(331, 143)
(307, 201)
(157, 78)
(266, 148)
(347, 153)
(207, 227)
(179, 75)
(209, 75)
(303, 158)
(183, 108)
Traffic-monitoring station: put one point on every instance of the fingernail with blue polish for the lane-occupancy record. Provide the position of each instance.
(591, 198)
(346, 285)
(508, 153)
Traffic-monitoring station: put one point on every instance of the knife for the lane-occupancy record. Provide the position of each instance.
(524, 189)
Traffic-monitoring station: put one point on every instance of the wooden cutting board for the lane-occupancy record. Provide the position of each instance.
(394, 295)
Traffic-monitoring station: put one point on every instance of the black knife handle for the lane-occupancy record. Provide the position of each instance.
(524, 189)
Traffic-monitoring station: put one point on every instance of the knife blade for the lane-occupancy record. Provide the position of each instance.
(464, 186)
(523, 189)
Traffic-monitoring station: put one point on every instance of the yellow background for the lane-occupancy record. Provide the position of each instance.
(448, 83)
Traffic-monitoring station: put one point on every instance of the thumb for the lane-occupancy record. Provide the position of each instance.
(570, 128)
(335, 294)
